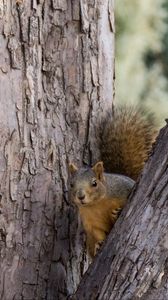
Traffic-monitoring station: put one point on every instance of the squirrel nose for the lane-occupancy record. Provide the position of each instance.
(80, 195)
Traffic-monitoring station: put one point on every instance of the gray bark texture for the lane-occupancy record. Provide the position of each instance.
(56, 81)
(133, 263)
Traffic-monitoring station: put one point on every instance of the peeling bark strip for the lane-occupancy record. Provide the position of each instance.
(56, 81)
(133, 261)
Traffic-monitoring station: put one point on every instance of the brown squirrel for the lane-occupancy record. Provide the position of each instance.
(126, 140)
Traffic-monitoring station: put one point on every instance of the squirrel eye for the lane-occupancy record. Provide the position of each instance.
(71, 185)
(94, 183)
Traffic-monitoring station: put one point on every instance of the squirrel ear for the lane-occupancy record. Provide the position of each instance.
(72, 168)
(99, 169)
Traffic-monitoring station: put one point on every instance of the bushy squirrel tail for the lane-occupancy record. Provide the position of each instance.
(126, 140)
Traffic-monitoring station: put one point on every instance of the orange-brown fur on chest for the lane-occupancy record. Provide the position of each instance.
(98, 219)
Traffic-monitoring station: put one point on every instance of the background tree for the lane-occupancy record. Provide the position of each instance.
(56, 81)
(141, 54)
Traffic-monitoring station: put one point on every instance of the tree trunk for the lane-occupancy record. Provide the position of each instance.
(133, 263)
(56, 80)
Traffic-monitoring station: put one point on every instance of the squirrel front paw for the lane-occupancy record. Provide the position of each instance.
(115, 213)
(97, 247)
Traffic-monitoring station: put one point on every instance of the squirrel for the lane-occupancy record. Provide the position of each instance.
(125, 142)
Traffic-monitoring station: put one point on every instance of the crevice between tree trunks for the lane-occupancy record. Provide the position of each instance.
(132, 262)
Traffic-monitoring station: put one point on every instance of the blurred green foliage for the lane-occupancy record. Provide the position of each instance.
(142, 54)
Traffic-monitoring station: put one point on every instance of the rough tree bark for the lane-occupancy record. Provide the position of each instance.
(133, 263)
(56, 80)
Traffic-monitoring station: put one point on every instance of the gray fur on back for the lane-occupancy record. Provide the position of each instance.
(119, 186)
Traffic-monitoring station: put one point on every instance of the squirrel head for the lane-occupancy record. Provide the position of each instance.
(87, 185)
